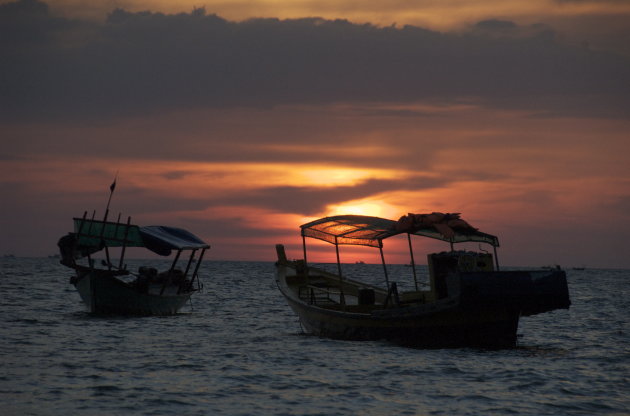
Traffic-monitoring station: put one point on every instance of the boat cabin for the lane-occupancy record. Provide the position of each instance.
(319, 287)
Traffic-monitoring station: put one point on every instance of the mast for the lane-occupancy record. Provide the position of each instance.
(109, 200)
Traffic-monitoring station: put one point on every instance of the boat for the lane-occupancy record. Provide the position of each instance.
(469, 302)
(110, 287)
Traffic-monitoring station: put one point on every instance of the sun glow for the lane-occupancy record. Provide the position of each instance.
(339, 176)
(363, 207)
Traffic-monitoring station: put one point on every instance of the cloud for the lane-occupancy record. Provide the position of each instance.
(145, 63)
(313, 200)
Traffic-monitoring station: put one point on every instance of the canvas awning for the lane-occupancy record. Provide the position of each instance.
(350, 229)
(370, 231)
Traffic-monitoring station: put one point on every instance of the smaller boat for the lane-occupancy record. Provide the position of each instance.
(110, 287)
(469, 302)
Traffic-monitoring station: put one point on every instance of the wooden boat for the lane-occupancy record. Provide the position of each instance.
(114, 289)
(470, 302)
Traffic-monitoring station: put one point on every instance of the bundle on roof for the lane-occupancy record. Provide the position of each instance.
(445, 224)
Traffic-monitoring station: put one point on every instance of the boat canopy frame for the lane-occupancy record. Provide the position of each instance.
(370, 231)
(91, 236)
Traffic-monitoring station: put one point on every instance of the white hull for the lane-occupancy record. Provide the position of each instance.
(105, 294)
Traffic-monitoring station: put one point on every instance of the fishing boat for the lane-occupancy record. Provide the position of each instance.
(109, 287)
(469, 300)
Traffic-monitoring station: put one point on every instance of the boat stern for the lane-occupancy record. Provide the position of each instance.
(531, 292)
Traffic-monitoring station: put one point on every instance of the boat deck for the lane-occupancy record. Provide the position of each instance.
(326, 290)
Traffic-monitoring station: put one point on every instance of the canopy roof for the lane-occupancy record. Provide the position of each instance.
(351, 229)
(94, 235)
(371, 231)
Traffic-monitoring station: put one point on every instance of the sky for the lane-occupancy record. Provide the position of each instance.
(241, 120)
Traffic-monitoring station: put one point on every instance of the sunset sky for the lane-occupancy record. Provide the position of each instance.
(241, 120)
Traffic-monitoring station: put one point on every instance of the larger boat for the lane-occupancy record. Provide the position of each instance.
(109, 287)
(469, 301)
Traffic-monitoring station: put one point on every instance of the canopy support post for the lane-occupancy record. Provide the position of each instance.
(168, 276)
(124, 247)
(496, 258)
(304, 248)
(305, 260)
(116, 235)
(89, 256)
(413, 262)
(342, 298)
(380, 248)
(179, 252)
(194, 276)
(81, 224)
(109, 263)
(190, 260)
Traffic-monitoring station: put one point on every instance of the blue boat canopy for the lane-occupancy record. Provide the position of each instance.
(91, 236)
(160, 238)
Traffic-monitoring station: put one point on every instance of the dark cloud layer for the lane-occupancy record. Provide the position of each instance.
(312, 200)
(142, 63)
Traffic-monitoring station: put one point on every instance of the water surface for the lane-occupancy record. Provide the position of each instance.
(239, 350)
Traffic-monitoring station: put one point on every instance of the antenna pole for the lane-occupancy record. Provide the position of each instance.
(111, 192)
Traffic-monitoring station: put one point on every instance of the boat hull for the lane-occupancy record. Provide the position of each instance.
(443, 329)
(442, 324)
(103, 293)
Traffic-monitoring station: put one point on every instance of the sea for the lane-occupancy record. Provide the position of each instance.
(238, 349)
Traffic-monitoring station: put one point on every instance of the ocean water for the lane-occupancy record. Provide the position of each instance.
(239, 350)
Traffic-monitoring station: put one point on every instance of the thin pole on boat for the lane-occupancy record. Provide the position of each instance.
(496, 257)
(197, 269)
(81, 224)
(413, 262)
(124, 247)
(380, 248)
(168, 277)
(109, 200)
(190, 260)
(304, 249)
(117, 225)
(109, 263)
(342, 298)
(111, 192)
(89, 256)
(179, 252)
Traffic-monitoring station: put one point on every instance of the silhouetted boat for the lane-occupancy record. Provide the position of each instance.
(144, 292)
(469, 302)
